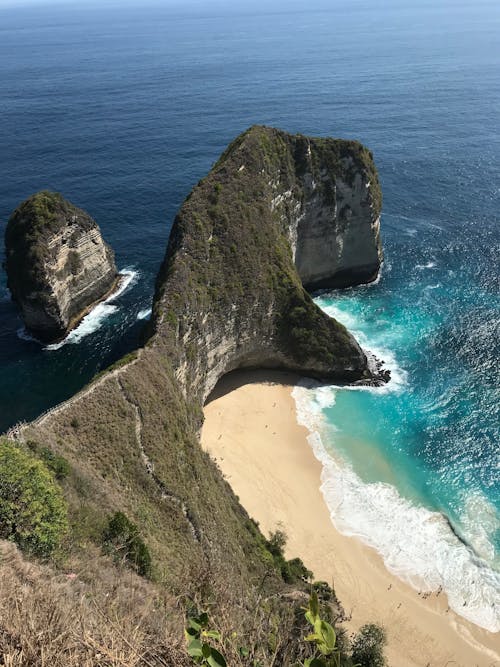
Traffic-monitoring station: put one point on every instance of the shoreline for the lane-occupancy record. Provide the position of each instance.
(77, 320)
(120, 284)
(273, 469)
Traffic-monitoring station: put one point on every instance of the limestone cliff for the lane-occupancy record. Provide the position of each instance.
(276, 211)
(57, 264)
(336, 222)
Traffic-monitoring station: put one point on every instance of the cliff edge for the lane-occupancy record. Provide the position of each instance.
(57, 264)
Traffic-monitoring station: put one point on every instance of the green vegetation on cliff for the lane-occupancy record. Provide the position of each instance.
(26, 237)
(32, 507)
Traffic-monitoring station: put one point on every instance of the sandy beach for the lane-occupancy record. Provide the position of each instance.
(251, 431)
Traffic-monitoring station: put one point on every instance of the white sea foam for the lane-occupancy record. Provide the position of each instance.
(130, 277)
(417, 545)
(429, 265)
(90, 323)
(144, 314)
(97, 316)
(399, 376)
(480, 519)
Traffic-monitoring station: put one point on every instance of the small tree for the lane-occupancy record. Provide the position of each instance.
(32, 508)
(276, 543)
(122, 538)
(368, 646)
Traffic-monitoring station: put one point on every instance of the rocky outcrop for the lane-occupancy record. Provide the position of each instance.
(57, 264)
(338, 219)
(275, 212)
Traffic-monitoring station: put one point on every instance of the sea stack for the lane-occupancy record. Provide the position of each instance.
(58, 265)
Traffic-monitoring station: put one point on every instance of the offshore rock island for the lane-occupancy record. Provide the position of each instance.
(58, 265)
(276, 212)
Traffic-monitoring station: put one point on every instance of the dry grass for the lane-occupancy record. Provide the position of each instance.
(102, 615)
(105, 617)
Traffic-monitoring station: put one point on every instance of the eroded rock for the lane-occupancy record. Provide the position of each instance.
(57, 264)
(270, 218)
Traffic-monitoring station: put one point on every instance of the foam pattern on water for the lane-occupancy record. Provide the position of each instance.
(97, 316)
(417, 545)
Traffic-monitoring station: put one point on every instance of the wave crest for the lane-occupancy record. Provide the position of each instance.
(417, 545)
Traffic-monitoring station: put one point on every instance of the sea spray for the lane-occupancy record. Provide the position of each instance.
(96, 317)
(144, 314)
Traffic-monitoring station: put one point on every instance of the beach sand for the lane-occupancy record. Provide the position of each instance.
(251, 431)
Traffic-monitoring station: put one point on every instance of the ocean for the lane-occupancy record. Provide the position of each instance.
(124, 108)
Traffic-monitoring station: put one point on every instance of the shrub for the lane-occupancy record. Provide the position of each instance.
(199, 639)
(58, 464)
(291, 570)
(122, 539)
(32, 508)
(276, 543)
(323, 638)
(323, 590)
(368, 646)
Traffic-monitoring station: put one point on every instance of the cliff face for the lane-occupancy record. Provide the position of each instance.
(57, 264)
(276, 211)
(338, 220)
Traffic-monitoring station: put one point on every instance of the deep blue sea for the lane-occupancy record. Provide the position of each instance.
(123, 109)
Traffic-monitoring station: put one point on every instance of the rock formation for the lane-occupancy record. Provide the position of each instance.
(336, 222)
(275, 212)
(57, 263)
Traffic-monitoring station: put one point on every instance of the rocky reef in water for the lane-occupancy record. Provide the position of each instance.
(58, 265)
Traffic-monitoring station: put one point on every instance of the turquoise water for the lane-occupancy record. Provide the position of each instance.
(421, 484)
(123, 107)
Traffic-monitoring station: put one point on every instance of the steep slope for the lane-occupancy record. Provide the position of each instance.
(228, 295)
(57, 264)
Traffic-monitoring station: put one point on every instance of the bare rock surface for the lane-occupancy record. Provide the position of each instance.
(58, 265)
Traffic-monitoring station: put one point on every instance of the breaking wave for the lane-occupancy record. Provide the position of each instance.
(144, 314)
(94, 319)
(416, 544)
(97, 316)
